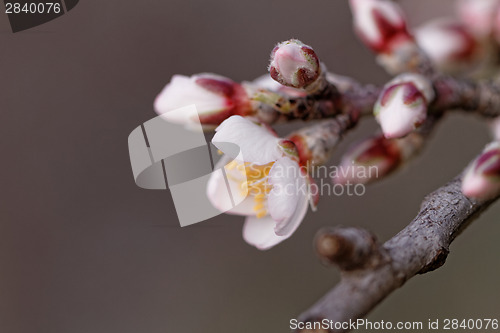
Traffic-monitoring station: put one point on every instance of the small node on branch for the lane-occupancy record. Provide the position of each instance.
(316, 143)
(348, 248)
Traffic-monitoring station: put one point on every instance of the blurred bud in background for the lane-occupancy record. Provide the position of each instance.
(381, 24)
(449, 45)
(478, 16)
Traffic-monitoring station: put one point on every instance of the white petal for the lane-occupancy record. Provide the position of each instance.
(257, 144)
(423, 84)
(475, 186)
(217, 193)
(260, 232)
(289, 198)
(183, 91)
(398, 119)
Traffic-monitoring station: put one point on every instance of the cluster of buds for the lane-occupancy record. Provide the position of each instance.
(448, 44)
(375, 158)
(294, 64)
(482, 178)
(402, 105)
(216, 98)
(381, 24)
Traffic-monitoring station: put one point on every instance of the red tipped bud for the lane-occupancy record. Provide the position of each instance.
(368, 160)
(381, 24)
(478, 15)
(294, 64)
(482, 178)
(216, 98)
(449, 45)
(402, 105)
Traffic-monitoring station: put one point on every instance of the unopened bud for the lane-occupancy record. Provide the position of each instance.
(447, 43)
(381, 24)
(482, 177)
(289, 149)
(478, 15)
(402, 105)
(294, 64)
(368, 160)
(216, 98)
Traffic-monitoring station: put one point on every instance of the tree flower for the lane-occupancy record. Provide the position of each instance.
(216, 98)
(482, 178)
(265, 176)
(448, 44)
(402, 105)
(381, 24)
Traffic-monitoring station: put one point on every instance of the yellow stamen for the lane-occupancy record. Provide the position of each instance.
(253, 181)
(258, 207)
(231, 165)
(261, 214)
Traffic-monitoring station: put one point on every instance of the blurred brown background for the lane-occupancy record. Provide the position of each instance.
(84, 250)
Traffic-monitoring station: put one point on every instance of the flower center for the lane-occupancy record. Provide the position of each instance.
(253, 183)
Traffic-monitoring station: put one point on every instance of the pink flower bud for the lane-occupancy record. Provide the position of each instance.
(381, 24)
(482, 178)
(402, 105)
(294, 64)
(216, 98)
(369, 160)
(478, 15)
(448, 44)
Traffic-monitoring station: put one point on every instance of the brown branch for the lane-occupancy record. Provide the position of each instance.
(343, 96)
(480, 97)
(348, 96)
(419, 248)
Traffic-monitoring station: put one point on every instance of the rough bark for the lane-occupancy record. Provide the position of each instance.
(419, 248)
